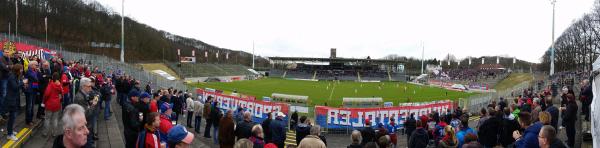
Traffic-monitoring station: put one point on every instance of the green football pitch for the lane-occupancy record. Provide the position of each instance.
(330, 92)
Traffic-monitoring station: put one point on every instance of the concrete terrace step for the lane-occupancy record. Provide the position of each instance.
(291, 138)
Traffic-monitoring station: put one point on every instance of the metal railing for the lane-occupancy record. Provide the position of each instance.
(104, 63)
(474, 103)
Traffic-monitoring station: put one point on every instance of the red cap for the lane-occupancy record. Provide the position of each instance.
(270, 145)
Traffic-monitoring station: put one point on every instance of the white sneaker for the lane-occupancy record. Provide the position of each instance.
(12, 137)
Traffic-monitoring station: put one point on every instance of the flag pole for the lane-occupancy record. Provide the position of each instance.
(422, 56)
(252, 54)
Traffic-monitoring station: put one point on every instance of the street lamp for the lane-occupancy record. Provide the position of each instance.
(553, 2)
(123, 31)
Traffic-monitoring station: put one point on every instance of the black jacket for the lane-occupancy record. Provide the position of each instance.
(489, 131)
(244, 129)
(301, 131)
(267, 131)
(354, 146)
(294, 117)
(502, 104)
(418, 139)
(410, 125)
(556, 143)
(508, 126)
(105, 91)
(13, 92)
(570, 115)
(178, 102)
(58, 142)
(368, 135)
(554, 116)
(4, 61)
(130, 119)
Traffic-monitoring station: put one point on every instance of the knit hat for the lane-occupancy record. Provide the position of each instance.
(164, 107)
(145, 95)
(134, 94)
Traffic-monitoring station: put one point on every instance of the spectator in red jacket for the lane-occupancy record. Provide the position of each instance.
(149, 136)
(66, 83)
(166, 110)
(52, 99)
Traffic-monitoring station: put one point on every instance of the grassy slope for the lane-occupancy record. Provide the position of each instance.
(512, 80)
(159, 66)
(319, 94)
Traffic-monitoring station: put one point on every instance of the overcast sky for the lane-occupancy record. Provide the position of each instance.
(520, 28)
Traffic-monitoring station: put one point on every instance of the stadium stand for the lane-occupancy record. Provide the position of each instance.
(186, 70)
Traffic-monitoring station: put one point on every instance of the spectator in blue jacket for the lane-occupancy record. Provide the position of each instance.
(32, 91)
(278, 130)
(527, 139)
(12, 99)
(464, 130)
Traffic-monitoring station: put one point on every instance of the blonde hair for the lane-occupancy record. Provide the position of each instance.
(243, 143)
(449, 130)
(356, 136)
(545, 118)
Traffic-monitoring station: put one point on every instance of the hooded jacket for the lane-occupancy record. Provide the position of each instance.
(302, 130)
(418, 139)
(52, 96)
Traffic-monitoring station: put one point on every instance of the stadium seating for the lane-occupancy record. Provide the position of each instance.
(345, 75)
(187, 70)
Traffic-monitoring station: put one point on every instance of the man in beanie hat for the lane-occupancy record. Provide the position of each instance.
(130, 112)
(179, 137)
(166, 111)
(144, 104)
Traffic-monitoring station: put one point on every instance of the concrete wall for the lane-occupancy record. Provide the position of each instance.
(222, 78)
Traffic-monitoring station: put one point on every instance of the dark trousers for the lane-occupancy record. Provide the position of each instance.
(280, 144)
(122, 98)
(90, 140)
(66, 100)
(10, 126)
(41, 111)
(119, 99)
(207, 128)
(570, 135)
(107, 113)
(130, 139)
(190, 115)
(197, 124)
(29, 103)
(3, 87)
(585, 109)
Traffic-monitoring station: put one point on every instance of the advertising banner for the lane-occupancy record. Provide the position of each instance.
(259, 109)
(332, 118)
